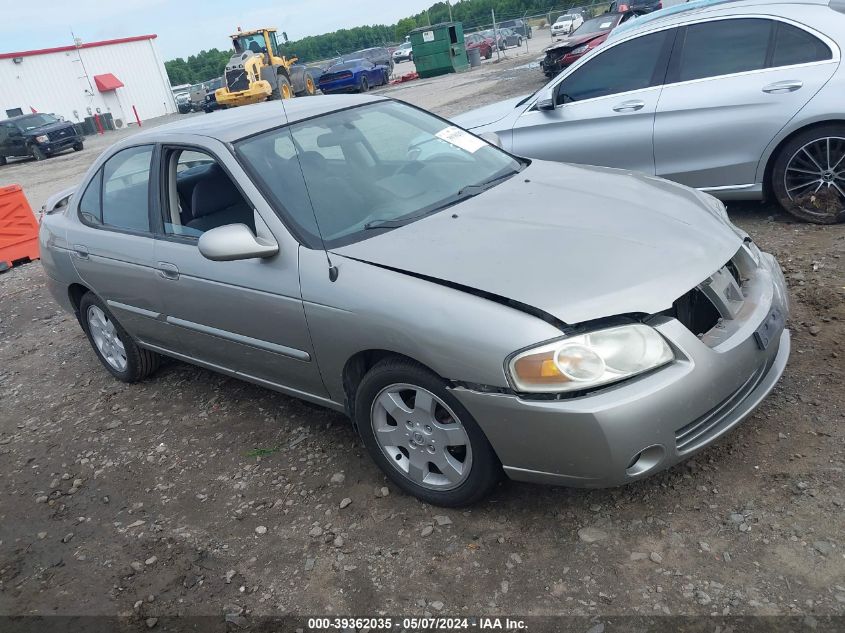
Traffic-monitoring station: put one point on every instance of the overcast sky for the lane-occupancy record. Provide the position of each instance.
(184, 26)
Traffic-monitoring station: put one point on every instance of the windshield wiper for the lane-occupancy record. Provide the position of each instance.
(474, 190)
(465, 192)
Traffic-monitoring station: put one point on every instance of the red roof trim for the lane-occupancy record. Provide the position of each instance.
(61, 49)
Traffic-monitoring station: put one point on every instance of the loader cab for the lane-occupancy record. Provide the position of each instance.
(263, 42)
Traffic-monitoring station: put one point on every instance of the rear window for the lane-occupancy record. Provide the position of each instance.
(796, 46)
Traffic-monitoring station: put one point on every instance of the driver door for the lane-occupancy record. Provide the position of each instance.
(604, 108)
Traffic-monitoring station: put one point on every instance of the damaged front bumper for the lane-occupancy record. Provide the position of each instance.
(636, 428)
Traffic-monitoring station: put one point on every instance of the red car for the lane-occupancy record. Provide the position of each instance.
(591, 34)
(484, 44)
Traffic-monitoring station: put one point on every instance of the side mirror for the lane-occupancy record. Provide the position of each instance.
(233, 242)
(546, 100)
(492, 138)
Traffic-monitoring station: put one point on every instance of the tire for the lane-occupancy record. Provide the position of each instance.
(519, 42)
(826, 147)
(387, 77)
(283, 89)
(78, 147)
(364, 85)
(138, 362)
(37, 153)
(489, 54)
(410, 57)
(2, 160)
(444, 420)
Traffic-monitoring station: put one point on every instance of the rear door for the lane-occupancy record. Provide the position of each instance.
(732, 85)
(112, 245)
(604, 112)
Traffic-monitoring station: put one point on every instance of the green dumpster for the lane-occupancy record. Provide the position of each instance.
(439, 49)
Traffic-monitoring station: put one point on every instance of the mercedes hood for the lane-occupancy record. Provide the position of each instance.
(576, 242)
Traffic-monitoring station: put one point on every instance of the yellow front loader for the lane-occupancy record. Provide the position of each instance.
(258, 72)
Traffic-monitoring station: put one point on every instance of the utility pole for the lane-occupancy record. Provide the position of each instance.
(495, 34)
(449, 4)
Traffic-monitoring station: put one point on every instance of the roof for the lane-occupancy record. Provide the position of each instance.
(235, 123)
(106, 82)
(60, 49)
(680, 12)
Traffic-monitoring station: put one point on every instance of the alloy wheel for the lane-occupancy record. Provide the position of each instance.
(421, 437)
(106, 338)
(819, 165)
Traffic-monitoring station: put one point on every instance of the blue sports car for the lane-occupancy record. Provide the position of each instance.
(353, 75)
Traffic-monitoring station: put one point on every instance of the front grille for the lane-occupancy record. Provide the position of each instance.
(57, 135)
(705, 428)
(237, 80)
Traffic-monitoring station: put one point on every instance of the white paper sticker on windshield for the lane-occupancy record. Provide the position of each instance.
(457, 137)
(605, 25)
(428, 36)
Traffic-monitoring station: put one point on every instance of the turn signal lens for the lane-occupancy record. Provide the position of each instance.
(589, 360)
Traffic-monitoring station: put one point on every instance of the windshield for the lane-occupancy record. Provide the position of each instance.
(254, 43)
(566, 18)
(370, 169)
(598, 25)
(35, 121)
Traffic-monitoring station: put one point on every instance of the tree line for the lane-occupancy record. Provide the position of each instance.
(472, 13)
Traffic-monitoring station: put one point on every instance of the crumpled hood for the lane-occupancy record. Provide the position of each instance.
(487, 114)
(577, 242)
(573, 41)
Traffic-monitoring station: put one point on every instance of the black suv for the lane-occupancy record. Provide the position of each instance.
(36, 135)
(517, 26)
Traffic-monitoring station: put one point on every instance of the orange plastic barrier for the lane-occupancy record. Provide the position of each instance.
(18, 228)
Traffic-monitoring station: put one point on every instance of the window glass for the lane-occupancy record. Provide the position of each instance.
(624, 67)
(723, 47)
(126, 182)
(796, 46)
(89, 205)
(204, 196)
(431, 166)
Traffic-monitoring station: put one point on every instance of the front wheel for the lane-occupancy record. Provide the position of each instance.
(808, 177)
(519, 42)
(283, 89)
(422, 437)
(38, 153)
(2, 160)
(78, 147)
(114, 347)
(364, 86)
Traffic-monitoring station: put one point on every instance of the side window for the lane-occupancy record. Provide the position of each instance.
(632, 65)
(89, 204)
(125, 191)
(4, 133)
(723, 47)
(796, 46)
(201, 195)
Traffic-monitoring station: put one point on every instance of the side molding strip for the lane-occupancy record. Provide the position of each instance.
(240, 338)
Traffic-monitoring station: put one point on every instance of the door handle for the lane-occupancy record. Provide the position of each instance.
(168, 271)
(80, 251)
(629, 106)
(790, 85)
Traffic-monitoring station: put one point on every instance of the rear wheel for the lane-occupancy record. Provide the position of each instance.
(114, 347)
(364, 85)
(37, 153)
(421, 436)
(78, 147)
(808, 177)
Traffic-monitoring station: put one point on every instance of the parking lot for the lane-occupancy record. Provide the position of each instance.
(194, 493)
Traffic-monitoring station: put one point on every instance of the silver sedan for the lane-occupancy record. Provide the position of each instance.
(370, 257)
(739, 99)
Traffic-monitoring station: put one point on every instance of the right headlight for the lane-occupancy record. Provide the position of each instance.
(589, 360)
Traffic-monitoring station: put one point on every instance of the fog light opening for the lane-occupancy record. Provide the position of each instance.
(646, 460)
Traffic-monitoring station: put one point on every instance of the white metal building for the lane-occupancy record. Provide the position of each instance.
(77, 81)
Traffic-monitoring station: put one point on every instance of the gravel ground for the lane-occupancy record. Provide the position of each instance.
(194, 493)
